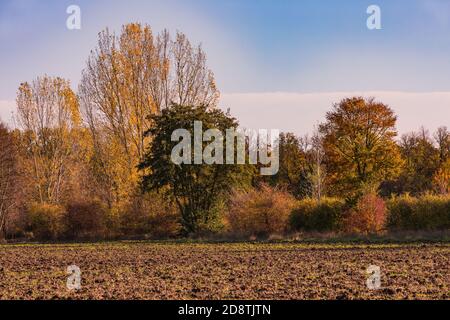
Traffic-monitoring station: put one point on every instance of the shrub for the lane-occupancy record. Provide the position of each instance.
(259, 212)
(46, 221)
(314, 215)
(17, 223)
(86, 220)
(400, 212)
(427, 212)
(152, 215)
(367, 217)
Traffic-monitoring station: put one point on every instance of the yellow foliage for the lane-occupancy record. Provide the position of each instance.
(441, 179)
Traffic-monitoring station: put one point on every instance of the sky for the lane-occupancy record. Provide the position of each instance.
(278, 63)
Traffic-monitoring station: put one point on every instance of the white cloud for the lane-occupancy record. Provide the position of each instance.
(298, 112)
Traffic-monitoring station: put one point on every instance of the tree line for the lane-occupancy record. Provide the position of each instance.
(96, 162)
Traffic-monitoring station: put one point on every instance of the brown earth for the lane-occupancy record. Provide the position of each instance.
(134, 270)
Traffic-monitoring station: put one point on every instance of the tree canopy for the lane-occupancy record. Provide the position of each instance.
(358, 138)
(197, 188)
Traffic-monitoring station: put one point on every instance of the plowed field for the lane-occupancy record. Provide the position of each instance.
(140, 270)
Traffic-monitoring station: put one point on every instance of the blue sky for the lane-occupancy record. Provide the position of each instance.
(253, 46)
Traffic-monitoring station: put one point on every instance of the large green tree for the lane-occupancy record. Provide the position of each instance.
(196, 187)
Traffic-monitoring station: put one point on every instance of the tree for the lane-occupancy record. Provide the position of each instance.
(441, 179)
(48, 114)
(293, 171)
(129, 77)
(8, 176)
(302, 170)
(196, 188)
(442, 137)
(421, 160)
(316, 160)
(358, 139)
(192, 82)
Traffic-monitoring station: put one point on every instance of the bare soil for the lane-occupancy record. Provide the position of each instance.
(142, 270)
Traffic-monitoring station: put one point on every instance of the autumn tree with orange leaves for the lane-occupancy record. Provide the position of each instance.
(358, 138)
